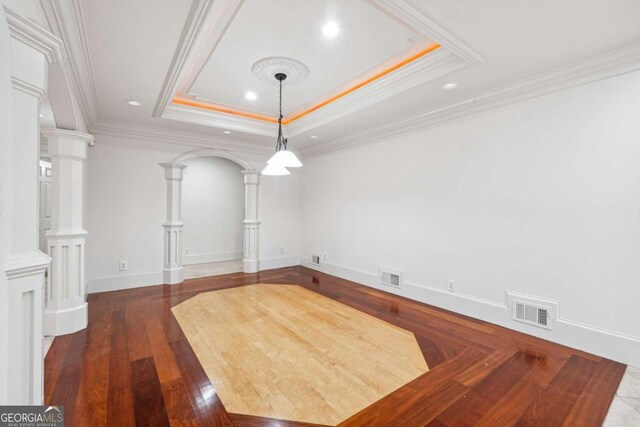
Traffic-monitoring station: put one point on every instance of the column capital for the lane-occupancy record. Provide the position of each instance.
(251, 177)
(173, 225)
(173, 172)
(68, 144)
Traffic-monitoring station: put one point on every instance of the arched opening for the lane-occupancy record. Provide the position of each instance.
(174, 226)
(212, 213)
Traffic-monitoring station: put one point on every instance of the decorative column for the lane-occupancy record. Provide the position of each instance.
(66, 308)
(172, 268)
(251, 223)
(22, 281)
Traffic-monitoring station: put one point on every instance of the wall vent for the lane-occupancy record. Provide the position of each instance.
(315, 259)
(390, 276)
(532, 311)
(526, 313)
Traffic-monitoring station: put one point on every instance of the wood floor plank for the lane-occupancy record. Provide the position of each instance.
(179, 409)
(207, 407)
(240, 420)
(148, 401)
(91, 404)
(54, 363)
(433, 355)
(162, 354)
(65, 391)
(485, 394)
(120, 395)
(422, 399)
(138, 341)
(596, 397)
(552, 404)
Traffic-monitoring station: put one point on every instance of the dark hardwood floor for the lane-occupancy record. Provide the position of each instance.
(481, 374)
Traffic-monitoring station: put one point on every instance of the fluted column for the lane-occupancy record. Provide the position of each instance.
(66, 308)
(172, 265)
(250, 260)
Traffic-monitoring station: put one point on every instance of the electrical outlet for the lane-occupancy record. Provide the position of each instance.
(186, 251)
(452, 284)
(324, 256)
(123, 266)
(281, 251)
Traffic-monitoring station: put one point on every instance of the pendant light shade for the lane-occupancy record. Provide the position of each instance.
(286, 159)
(273, 169)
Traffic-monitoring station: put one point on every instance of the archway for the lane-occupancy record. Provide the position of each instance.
(174, 174)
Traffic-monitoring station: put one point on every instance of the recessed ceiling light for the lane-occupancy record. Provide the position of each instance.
(133, 103)
(331, 29)
(450, 86)
(226, 132)
(40, 115)
(251, 96)
(314, 136)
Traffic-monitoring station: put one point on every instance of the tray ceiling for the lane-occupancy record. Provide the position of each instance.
(281, 28)
(180, 57)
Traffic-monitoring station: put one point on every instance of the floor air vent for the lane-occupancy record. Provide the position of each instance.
(390, 277)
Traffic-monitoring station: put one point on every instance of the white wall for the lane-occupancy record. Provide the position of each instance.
(540, 197)
(280, 213)
(212, 210)
(6, 120)
(127, 206)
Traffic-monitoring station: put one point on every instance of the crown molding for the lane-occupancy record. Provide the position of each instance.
(34, 36)
(410, 16)
(29, 89)
(176, 137)
(200, 116)
(621, 60)
(432, 66)
(79, 69)
(196, 35)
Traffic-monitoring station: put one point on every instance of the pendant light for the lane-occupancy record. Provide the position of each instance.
(275, 170)
(283, 158)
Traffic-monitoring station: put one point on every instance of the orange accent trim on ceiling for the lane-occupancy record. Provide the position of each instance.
(220, 109)
(287, 120)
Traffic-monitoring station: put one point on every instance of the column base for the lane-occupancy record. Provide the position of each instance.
(65, 321)
(250, 265)
(172, 276)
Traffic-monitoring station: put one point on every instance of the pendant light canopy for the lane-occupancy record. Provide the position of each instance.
(283, 158)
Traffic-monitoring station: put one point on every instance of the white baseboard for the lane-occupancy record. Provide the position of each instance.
(280, 262)
(124, 281)
(211, 257)
(138, 280)
(613, 345)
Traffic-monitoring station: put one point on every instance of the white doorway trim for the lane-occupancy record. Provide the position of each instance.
(174, 174)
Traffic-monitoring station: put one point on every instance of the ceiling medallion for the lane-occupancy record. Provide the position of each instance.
(266, 69)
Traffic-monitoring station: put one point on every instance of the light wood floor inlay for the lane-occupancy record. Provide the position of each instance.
(283, 351)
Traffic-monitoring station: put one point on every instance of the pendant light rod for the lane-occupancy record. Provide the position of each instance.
(282, 141)
(283, 158)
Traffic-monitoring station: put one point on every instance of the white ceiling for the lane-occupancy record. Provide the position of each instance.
(130, 48)
(285, 28)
